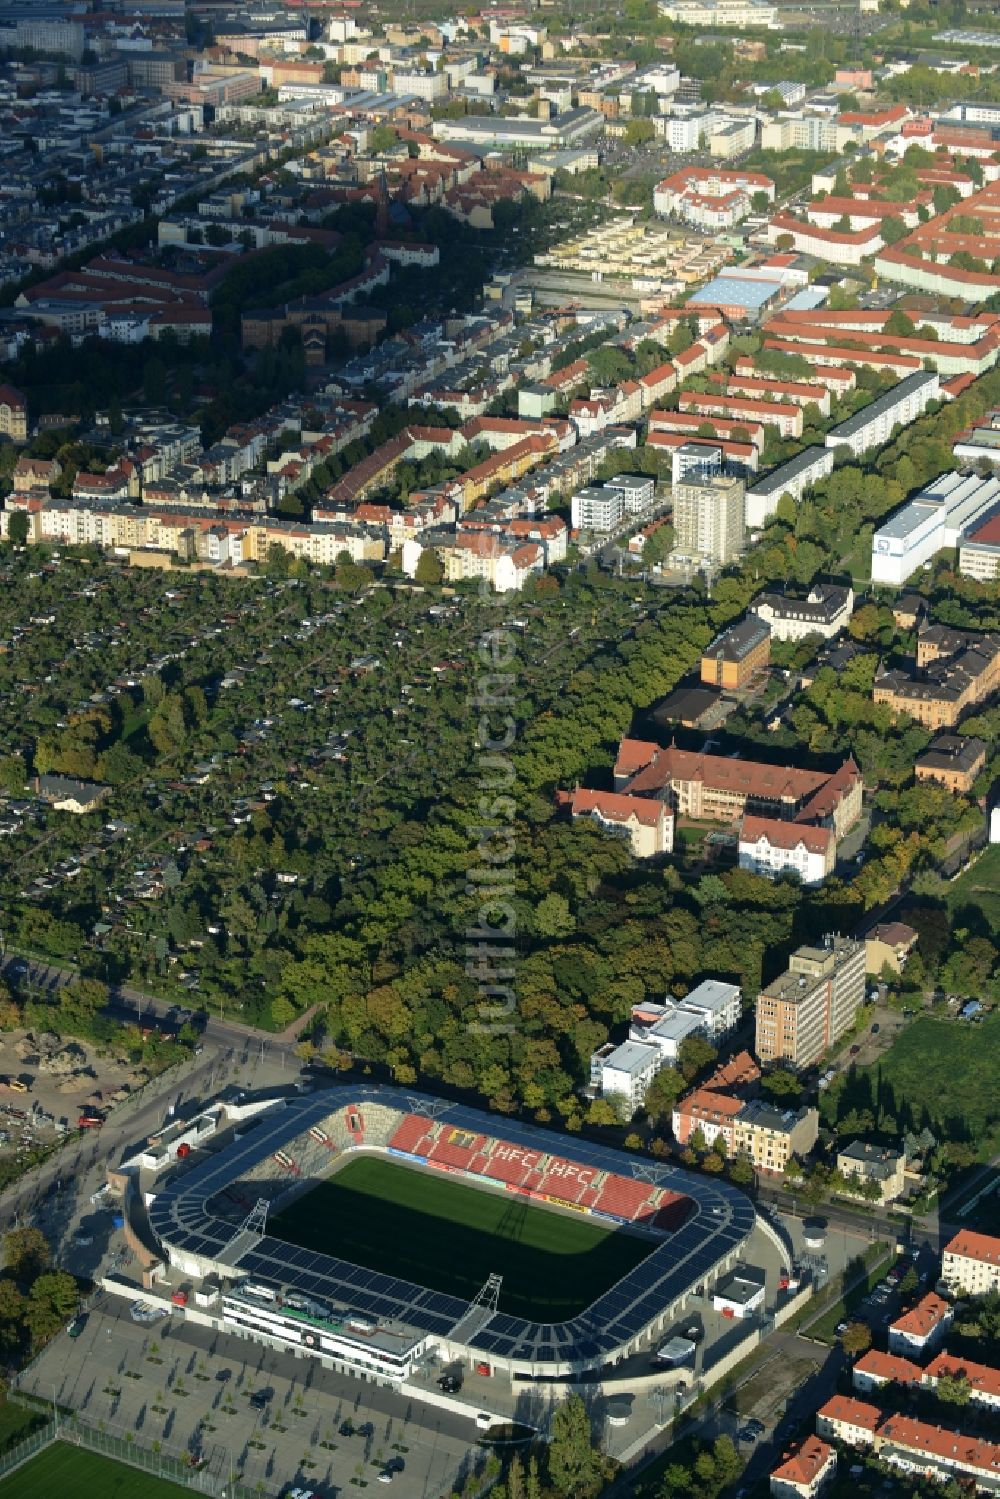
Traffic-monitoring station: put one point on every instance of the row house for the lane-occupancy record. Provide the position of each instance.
(840, 382)
(692, 423)
(797, 392)
(787, 418)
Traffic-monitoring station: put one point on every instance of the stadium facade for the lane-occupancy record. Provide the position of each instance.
(378, 1326)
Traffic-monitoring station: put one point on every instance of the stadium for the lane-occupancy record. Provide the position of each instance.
(379, 1230)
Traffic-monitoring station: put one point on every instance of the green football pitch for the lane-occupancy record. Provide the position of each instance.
(447, 1236)
(63, 1468)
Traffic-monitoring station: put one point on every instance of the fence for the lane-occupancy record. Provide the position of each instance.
(15, 1456)
(215, 1477)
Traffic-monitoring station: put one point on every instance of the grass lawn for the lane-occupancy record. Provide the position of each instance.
(946, 1070)
(16, 1423)
(450, 1237)
(979, 886)
(86, 1475)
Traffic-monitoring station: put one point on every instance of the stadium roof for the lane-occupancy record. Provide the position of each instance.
(184, 1218)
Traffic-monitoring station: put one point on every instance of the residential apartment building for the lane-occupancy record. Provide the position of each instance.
(946, 686)
(13, 414)
(812, 1004)
(862, 1162)
(793, 478)
(888, 945)
(952, 760)
(770, 847)
(597, 508)
(713, 1008)
(922, 1328)
(845, 1419)
(875, 1369)
(824, 611)
(805, 1471)
(971, 1263)
(770, 1136)
(873, 425)
(786, 418)
(714, 1114)
(624, 1072)
(648, 825)
(937, 1454)
(737, 655)
(982, 1379)
(709, 519)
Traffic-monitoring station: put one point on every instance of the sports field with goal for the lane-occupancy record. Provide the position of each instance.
(448, 1236)
(67, 1469)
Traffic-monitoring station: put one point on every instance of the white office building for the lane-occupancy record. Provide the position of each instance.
(935, 518)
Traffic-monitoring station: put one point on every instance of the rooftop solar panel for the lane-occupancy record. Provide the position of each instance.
(183, 1216)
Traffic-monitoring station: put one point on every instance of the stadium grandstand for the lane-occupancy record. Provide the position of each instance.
(209, 1215)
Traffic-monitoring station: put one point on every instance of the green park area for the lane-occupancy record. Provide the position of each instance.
(449, 1237)
(979, 887)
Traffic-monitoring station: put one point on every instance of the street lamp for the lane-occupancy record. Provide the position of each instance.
(55, 1411)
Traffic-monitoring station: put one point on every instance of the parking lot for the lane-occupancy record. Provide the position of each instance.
(279, 1420)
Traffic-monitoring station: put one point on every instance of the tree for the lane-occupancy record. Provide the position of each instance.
(574, 1465)
(954, 1388)
(639, 132)
(780, 1083)
(856, 1339)
(553, 917)
(741, 1171)
(52, 1301)
(695, 1054)
(26, 1253)
(429, 569)
(17, 528)
(899, 324)
(909, 1283)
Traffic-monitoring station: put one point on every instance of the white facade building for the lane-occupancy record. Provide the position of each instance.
(597, 509)
(873, 425)
(935, 518)
(971, 1263)
(771, 848)
(625, 1072)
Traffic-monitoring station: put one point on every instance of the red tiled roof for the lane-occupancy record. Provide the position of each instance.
(785, 834)
(953, 1447)
(804, 1465)
(888, 1366)
(983, 1379)
(921, 1320)
(851, 1412)
(975, 1246)
(616, 807)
